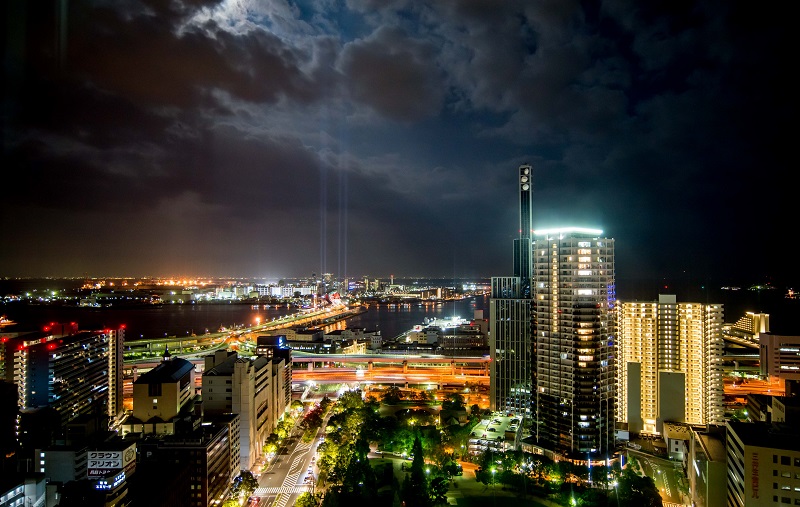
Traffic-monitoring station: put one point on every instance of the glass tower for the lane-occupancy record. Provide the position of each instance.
(510, 318)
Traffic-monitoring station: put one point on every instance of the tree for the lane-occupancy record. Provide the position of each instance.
(271, 443)
(392, 395)
(350, 400)
(308, 500)
(453, 401)
(296, 405)
(325, 403)
(438, 490)
(633, 490)
(415, 492)
(244, 484)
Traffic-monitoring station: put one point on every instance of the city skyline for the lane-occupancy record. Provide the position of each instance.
(280, 139)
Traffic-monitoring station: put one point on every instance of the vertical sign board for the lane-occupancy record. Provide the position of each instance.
(751, 475)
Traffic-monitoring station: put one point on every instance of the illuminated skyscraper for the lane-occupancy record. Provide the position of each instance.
(573, 376)
(510, 317)
(670, 364)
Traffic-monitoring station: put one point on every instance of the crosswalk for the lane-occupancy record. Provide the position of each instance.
(290, 484)
(281, 489)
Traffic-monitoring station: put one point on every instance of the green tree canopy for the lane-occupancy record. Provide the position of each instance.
(308, 500)
(244, 484)
(392, 395)
(634, 490)
(453, 401)
(415, 492)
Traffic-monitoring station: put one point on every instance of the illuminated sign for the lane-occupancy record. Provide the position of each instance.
(104, 463)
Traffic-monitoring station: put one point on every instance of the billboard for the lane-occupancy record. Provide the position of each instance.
(103, 463)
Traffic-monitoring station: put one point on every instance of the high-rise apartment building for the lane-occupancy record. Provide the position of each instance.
(116, 345)
(74, 372)
(510, 317)
(669, 364)
(65, 372)
(573, 373)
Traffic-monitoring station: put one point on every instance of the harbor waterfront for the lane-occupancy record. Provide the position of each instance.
(185, 320)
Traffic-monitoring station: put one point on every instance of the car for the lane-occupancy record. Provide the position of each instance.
(253, 500)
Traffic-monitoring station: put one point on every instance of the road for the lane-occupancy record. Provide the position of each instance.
(287, 476)
(665, 474)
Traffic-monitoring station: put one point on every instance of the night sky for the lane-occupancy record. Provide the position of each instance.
(365, 137)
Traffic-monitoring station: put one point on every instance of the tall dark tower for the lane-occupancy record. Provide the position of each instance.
(510, 319)
(522, 245)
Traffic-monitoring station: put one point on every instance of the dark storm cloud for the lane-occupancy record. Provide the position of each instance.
(375, 137)
(394, 74)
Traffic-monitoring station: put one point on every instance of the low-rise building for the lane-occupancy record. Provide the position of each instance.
(706, 466)
(763, 464)
(496, 433)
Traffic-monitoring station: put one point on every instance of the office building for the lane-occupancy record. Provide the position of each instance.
(161, 397)
(707, 466)
(510, 318)
(278, 351)
(198, 465)
(669, 364)
(237, 385)
(779, 356)
(22, 489)
(573, 374)
(763, 464)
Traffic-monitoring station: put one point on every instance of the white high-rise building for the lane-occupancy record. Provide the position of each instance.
(243, 386)
(573, 374)
(669, 364)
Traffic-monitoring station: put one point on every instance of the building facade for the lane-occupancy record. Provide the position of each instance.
(669, 364)
(779, 356)
(159, 396)
(763, 464)
(510, 317)
(237, 385)
(573, 377)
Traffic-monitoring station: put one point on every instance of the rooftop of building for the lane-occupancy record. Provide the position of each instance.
(167, 371)
(495, 427)
(768, 435)
(676, 431)
(10, 480)
(788, 401)
(712, 440)
(227, 367)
